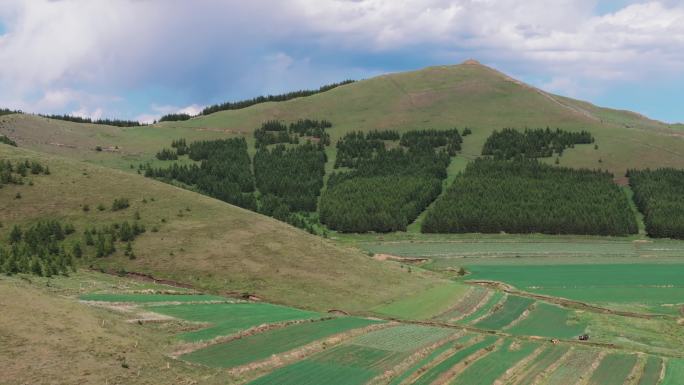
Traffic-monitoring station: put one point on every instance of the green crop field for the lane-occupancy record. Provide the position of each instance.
(432, 374)
(544, 360)
(613, 370)
(227, 319)
(674, 372)
(402, 338)
(426, 304)
(496, 297)
(574, 367)
(654, 285)
(512, 308)
(261, 346)
(309, 372)
(488, 369)
(548, 320)
(420, 364)
(145, 298)
(652, 370)
(466, 304)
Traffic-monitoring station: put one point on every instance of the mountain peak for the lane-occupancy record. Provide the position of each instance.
(472, 62)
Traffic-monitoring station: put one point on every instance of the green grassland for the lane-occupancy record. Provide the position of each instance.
(202, 241)
(261, 346)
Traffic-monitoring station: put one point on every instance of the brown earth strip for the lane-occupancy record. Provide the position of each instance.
(637, 371)
(585, 377)
(512, 371)
(482, 302)
(551, 368)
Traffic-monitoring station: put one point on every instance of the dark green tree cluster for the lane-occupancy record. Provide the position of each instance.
(103, 240)
(38, 249)
(293, 175)
(526, 196)
(120, 204)
(7, 111)
(274, 132)
(13, 173)
(449, 139)
(167, 154)
(181, 146)
(538, 143)
(381, 204)
(270, 98)
(383, 135)
(312, 129)
(386, 189)
(108, 122)
(659, 195)
(224, 171)
(175, 117)
(6, 140)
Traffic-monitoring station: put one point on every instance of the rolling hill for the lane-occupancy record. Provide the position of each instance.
(201, 241)
(469, 94)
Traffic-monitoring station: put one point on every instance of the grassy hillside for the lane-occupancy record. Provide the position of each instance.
(437, 97)
(202, 241)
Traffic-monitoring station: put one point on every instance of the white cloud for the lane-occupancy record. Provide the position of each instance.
(79, 55)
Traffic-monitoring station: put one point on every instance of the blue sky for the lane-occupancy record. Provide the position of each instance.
(141, 59)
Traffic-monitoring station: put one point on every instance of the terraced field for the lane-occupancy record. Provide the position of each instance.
(651, 372)
(511, 309)
(574, 366)
(426, 304)
(659, 287)
(495, 299)
(466, 305)
(538, 366)
(228, 319)
(674, 372)
(488, 369)
(548, 320)
(263, 345)
(358, 361)
(613, 370)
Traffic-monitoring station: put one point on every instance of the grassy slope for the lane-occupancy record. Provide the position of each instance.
(434, 97)
(214, 246)
(48, 339)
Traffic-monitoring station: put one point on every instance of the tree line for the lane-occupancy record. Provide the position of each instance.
(270, 98)
(224, 171)
(174, 117)
(532, 143)
(108, 122)
(527, 196)
(658, 195)
(277, 132)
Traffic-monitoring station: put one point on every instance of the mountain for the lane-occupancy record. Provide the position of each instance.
(469, 94)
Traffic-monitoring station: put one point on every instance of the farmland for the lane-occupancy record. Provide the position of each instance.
(547, 320)
(488, 369)
(512, 308)
(613, 370)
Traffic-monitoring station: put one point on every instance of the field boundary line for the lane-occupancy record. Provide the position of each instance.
(523, 316)
(439, 359)
(483, 301)
(286, 358)
(496, 307)
(414, 359)
(457, 369)
(520, 365)
(552, 368)
(585, 377)
(637, 372)
(568, 302)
